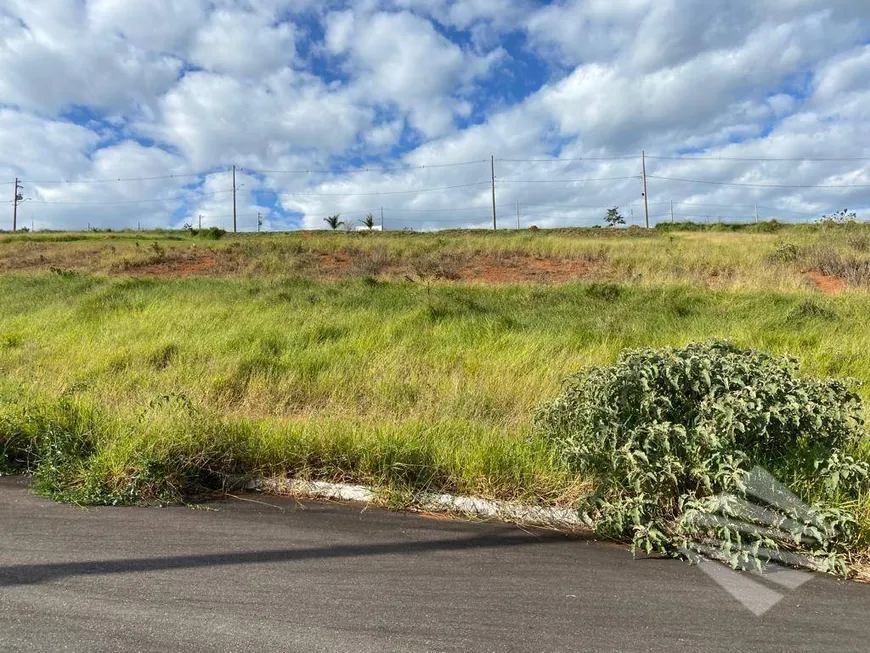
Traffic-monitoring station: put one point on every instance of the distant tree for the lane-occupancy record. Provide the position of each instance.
(334, 221)
(839, 217)
(613, 217)
(369, 221)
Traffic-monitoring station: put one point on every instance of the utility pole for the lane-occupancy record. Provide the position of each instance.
(645, 199)
(17, 197)
(518, 215)
(756, 214)
(492, 163)
(259, 221)
(382, 219)
(200, 221)
(234, 198)
(672, 211)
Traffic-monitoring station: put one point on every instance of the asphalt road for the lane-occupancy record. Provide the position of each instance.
(290, 576)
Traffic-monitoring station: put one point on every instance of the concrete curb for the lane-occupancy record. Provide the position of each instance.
(464, 506)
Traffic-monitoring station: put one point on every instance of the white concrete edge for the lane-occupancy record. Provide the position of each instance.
(474, 507)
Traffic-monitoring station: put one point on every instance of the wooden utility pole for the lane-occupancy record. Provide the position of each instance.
(645, 199)
(17, 197)
(492, 163)
(382, 219)
(234, 199)
(672, 211)
(518, 215)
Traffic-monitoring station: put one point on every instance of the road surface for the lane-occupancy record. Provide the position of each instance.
(239, 575)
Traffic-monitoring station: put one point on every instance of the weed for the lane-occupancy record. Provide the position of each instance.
(664, 430)
(211, 233)
(607, 292)
(810, 308)
(860, 241)
(827, 260)
(784, 253)
(10, 340)
(161, 357)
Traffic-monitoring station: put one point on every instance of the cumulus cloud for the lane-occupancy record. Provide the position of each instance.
(353, 107)
(402, 59)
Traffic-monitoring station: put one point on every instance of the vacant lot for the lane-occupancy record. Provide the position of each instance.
(762, 257)
(407, 361)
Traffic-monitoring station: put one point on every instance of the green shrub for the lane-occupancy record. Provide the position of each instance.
(663, 431)
(784, 253)
(211, 233)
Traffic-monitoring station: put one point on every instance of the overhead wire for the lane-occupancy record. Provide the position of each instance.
(753, 185)
(364, 169)
(162, 199)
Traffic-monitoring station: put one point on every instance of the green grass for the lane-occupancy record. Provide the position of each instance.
(129, 389)
(364, 381)
(715, 257)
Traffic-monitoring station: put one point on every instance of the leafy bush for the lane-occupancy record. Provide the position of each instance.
(211, 233)
(662, 432)
(784, 253)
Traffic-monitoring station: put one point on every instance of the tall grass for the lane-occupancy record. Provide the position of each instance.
(710, 258)
(143, 389)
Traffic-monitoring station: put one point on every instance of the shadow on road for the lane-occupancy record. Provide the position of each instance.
(32, 574)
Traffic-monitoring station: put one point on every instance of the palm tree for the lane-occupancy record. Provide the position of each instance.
(369, 221)
(333, 221)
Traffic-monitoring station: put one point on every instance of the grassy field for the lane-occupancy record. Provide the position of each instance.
(760, 257)
(165, 362)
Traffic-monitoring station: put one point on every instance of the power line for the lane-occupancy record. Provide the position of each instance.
(364, 169)
(582, 158)
(737, 158)
(393, 192)
(727, 183)
(470, 208)
(731, 206)
(166, 199)
(571, 205)
(563, 181)
(121, 179)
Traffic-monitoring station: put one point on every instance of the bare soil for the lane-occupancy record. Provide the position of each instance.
(193, 266)
(826, 283)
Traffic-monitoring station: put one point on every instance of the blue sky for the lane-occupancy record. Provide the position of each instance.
(376, 98)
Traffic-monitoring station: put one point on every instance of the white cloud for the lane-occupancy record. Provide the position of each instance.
(400, 58)
(157, 25)
(97, 89)
(47, 64)
(845, 74)
(243, 43)
(218, 119)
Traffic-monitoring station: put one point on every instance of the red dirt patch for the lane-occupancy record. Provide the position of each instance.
(521, 269)
(481, 268)
(826, 283)
(184, 267)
